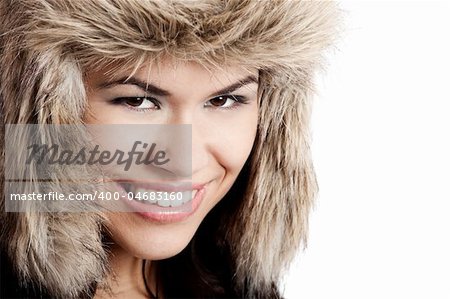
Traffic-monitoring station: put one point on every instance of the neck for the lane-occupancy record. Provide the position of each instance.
(125, 279)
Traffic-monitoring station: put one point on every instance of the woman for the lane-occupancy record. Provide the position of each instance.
(239, 72)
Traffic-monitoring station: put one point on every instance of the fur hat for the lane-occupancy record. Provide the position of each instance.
(47, 46)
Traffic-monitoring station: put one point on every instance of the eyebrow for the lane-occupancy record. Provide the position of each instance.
(150, 88)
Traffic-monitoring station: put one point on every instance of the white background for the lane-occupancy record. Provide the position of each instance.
(381, 129)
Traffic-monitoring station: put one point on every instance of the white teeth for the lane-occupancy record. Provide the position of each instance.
(162, 198)
(164, 203)
(186, 196)
(175, 202)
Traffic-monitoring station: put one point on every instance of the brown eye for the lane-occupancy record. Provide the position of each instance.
(226, 101)
(135, 102)
(141, 103)
(138, 103)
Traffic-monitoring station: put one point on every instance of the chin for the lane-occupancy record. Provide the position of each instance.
(156, 249)
(152, 241)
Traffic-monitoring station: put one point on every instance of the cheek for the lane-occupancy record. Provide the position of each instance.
(235, 139)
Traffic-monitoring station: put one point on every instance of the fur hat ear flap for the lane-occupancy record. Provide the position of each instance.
(61, 253)
(266, 231)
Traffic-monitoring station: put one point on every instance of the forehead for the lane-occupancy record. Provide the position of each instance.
(174, 73)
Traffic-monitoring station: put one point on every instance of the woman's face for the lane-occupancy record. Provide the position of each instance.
(222, 108)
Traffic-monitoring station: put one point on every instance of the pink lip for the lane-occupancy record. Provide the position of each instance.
(159, 214)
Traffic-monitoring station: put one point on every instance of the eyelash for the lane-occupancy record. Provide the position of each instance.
(238, 100)
(123, 102)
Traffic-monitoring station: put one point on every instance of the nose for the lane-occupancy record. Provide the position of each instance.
(186, 145)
